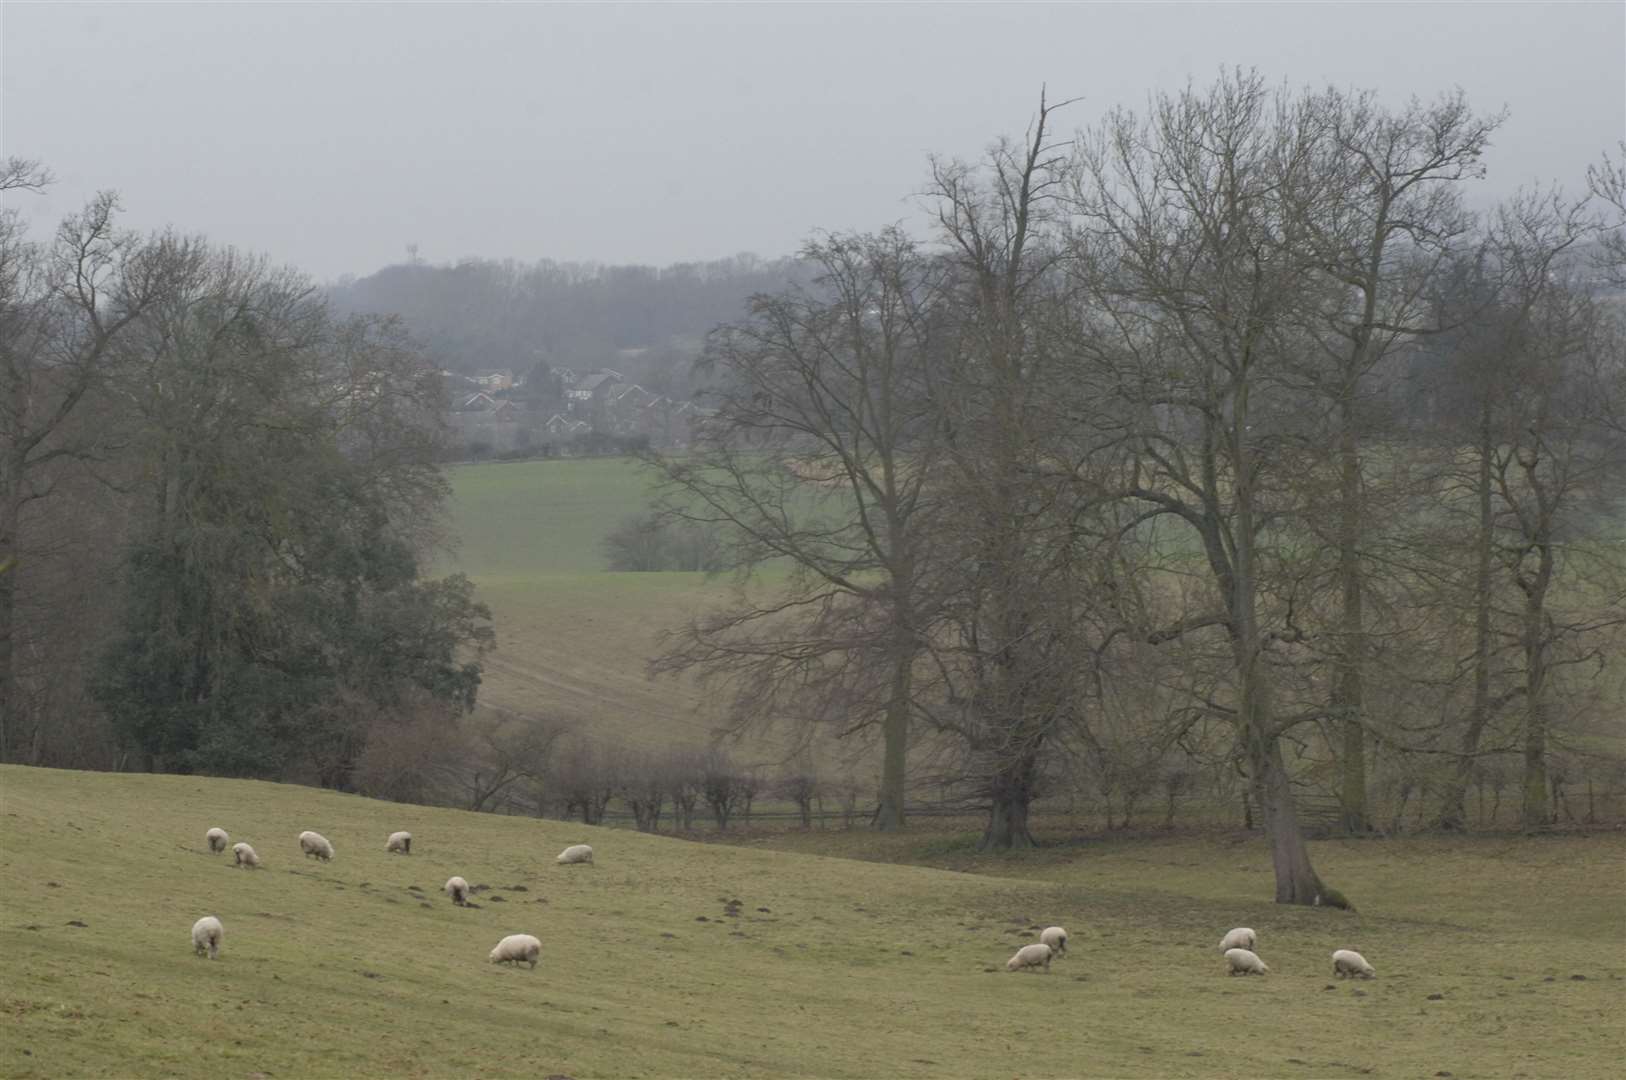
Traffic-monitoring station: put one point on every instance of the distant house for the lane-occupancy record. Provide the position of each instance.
(496, 379)
(477, 402)
(507, 412)
(594, 387)
(559, 426)
(631, 397)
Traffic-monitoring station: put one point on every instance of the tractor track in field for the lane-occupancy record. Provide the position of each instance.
(651, 712)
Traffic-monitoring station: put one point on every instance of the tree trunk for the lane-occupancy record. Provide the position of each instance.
(895, 733)
(1348, 694)
(1296, 880)
(8, 607)
(1452, 804)
(1008, 816)
(1534, 807)
(10, 507)
(1533, 813)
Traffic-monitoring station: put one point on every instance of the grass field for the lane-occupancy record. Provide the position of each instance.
(524, 519)
(572, 639)
(1496, 957)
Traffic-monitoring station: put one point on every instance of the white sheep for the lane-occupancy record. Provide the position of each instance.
(1030, 956)
(458, 890)
(1242, 937)
(315, 845)
(217, 840)
(246, 858)
(1244, 962)
(1056, 938)
(400, 842)
(206, 935)
(1347, 963)
(515, 948)
(575, 853)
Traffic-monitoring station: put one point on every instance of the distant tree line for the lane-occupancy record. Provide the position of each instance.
(580, 444)
(1220, 440)
(216, 501)
(645, 322)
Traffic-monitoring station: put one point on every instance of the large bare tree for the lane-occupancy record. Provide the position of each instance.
(64, 304)
(1382, 211)
(1561, 454)
(1011, 650)
(818, 459)
(1204, 278)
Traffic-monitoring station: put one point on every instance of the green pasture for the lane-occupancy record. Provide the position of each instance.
(1495, 957)
(573, 640)
(524, 519)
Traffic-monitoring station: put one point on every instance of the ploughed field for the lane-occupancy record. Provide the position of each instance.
(1495, 957)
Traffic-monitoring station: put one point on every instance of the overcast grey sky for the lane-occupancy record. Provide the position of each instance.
(332, 135)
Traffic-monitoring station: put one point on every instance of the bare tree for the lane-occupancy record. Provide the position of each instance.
(819, 454)
(800, 783)
(1562, 451)
(63, 307)
(414, 754)
(1453, 550)
(725, 787)
(1203, 281)
(1020, 565)
(584, 778)
(1607, 182)
(683, 771)
(1382, 214)
(504, 751)
(1530, 393)
(645, 780)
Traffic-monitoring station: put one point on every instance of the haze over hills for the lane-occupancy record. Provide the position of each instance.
(644, 321)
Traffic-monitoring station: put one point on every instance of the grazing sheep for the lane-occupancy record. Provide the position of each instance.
(1030, 956)
(517, 947)
(576, 853)
(458, 890)
(1056, 938)
(246, 858)
(1347, 963)
(1241, 938)
(1244, 962)
(400, 842)
(217, 840)
(206, 935)
(315, 846)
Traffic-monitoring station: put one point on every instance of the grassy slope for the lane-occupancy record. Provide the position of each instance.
(857, 969)
(572, 639)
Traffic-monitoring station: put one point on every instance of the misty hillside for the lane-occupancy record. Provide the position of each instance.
(645, 321)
